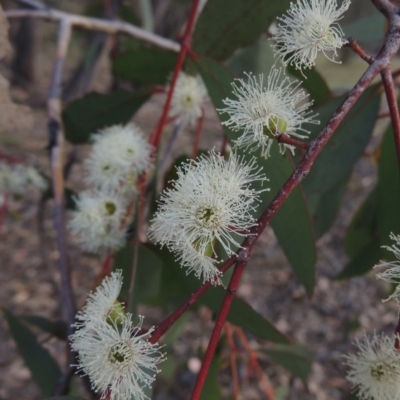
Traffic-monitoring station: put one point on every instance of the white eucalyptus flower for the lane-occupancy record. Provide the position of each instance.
(118, 358)
(102, 303)
(118, 156)
(211, 201)
(263, 112)
(392, 272)
(188, 98)
(375, 369)
(16, 179)
(310, 26)
(97, 221)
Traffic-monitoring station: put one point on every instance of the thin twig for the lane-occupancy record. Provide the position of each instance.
(97, 24)
(232, 360)
(56, 147)
(388, 84)
(353, 45)
(154, 140)
(282, 138)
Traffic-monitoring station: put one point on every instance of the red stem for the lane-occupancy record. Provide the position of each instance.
(282, 138)
(197, 137)
(219, 324)
(393, 108)
(154, 140)
(383, 59)
(10, 159)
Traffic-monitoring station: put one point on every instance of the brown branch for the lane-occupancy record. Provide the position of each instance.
(56, 148)
(96, 24)
(353, 45)
(388, 84)
(385, 7)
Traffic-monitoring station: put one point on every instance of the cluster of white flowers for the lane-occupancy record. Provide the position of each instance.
(375, 369)
(392, 272)
(310, 27)
(116, 355)
(119, 155)
(265, 112)
(211, 200)
(188, 99)
(16, 179)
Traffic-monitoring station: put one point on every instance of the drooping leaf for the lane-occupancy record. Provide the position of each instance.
(57, 328)
(95, 111)
(367, 29)
(291, 224)
(212, 389)
(363, 228)
(148, 272)
(224, 27)
(295, 358)
(241, 313)
(346, 145)
(45, 371)
(314, 84)
(328, 207)
(145, 65)
(388, 188)
(362, 262)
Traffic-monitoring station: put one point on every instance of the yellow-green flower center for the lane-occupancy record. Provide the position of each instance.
(207, 217)
(377, 371)
(120, 354)
(110, 207)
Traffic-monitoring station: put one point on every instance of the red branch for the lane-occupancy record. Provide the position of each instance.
(154, 140)
(394, 110)
(282, 138)
(381, 62)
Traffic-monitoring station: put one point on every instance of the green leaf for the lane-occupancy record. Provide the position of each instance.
(362, 262)
(148, 272)
(45, 371)
(211, 389)
(224, 27)
(363, 227)
(145, 65)
(295, 358)
(388, 201)
(95, 111)
(298, 243)
(57, 328)
(367, 29)
(347, 144)
(328, 206)
(314, 84)
(241, 313)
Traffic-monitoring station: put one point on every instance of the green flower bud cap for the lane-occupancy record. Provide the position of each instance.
(209, 249)
(117, 314)
(276, 126)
